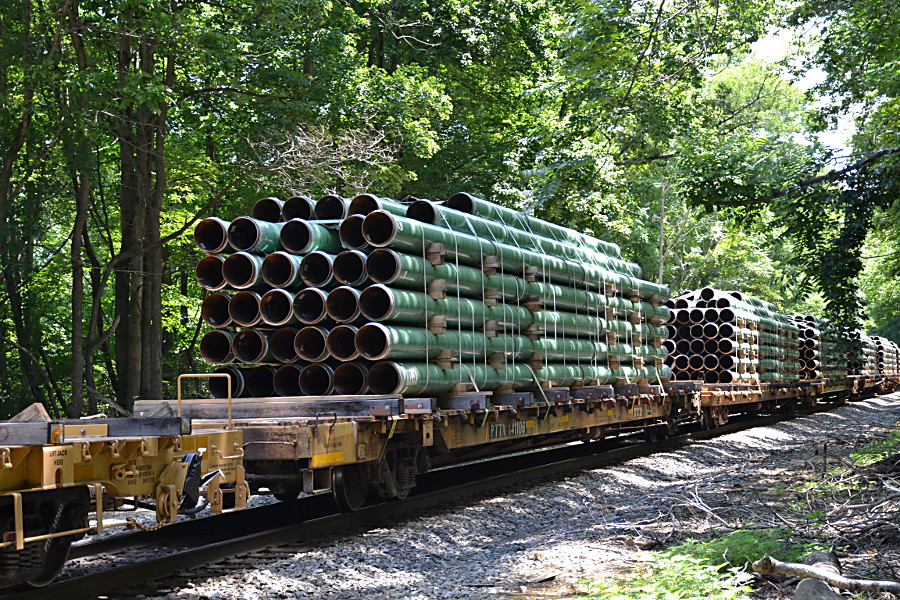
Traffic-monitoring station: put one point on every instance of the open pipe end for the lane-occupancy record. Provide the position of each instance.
(710, 330)
(218, 386)
(240, 270)
(259, 381)
(351, 379)
(243, 233)
(726, 330)
(311, 344)
(385, 378)
(215, 347)
(296, 236)
(726, 315)
(214, 310)
(279, 270)
(342, 304)
(696, 362)
(363, 204)
(317, 380)
(317, 269)
(462, 202)
(267, 209)
(383, 265)
(211, 235)
(244, 308)
(696, 315)
(331, 207)
(711, 361)
(697, 330)
(697, 346)
(423, 210)
(250, 346)
(726, 362)
(714, 377)
(298, 207)
(341, 343)
(286, 380)
(350, 267)
(373, 341)
(277, 307)
(281, 344)
(209, 272)
(681, 362)
(379, 228)
(376, 302)
(309, 306)
(351, 234)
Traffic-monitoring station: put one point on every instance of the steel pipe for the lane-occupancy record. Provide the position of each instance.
(209, 272)
(244, 308)
(218, 387)
(683, 317)
(711, 346)
(711, 362)
(302, 237)
(697, 346)
(281, 343)
(351, 234)
(317, 379)
(311, 343)
(211, 235)
(282, 270)
(697, 331)
(252, 346)
(309, 306)
(267, 209)
(251, 235)
(276, 308)
(394, 378)
(317, 269)
(243, 270)
(727, 362)
(259, 381)
(214, 310)
(364, 204)
(350, 268)
(341, 343)
(215, 347)
(696, 361)
(287, 380)
(343, 304)
(710, 330)
(298, 207)
(696, 315)
(683, 346)
(331, 207)
(351, 379)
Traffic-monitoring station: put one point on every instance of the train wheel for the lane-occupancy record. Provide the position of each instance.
(349, 487)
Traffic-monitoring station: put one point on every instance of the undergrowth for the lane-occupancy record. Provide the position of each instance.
(876, 450)
(711, 569)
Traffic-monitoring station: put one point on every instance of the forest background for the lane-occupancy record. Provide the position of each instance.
(647, 123)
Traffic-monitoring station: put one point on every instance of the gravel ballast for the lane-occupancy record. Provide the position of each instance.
(544, 540)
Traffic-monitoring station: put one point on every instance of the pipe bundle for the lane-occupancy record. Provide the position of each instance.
(887, 355)
(372, 295)
(729, 337)
(822, 352)
(863, 353)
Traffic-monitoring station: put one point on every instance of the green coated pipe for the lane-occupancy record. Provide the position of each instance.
(302, 237)
(331, 208)
(364, 204)
(380, 303)
(488, 210)
(390, 377)
(250, 235)
(519, 376)
(510, 317)
(513, 346)
(211, 235)
(562, 348)
(282, 270)
(599, 373)
(558, 297)
(243, 270)
(557, 375)
(298, 207)
(570, 324)
(267, 209)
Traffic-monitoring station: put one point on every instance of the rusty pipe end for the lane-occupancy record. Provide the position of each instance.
(363, 204)
(241, 270)
(286, 380)
(351, 378)
(373, 341)
(350, 267)
(342, 304)
(244, 308)
(211, 235)
(218, 387)
(259, 381)
(341, 343)
(311, 343)
(317, 269)
(385, 378)
(298, 207)
(276, 307)
(380, 228)
(317, 379)
(350, 232)
(267, 209)
(243, 233)
(209, 272)
(215, 347)
(214, 310)
(280, 269)
(281, 344)
(250, 345)
(331, 207)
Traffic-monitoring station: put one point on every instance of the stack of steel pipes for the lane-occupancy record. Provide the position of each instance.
(864, 354)
(374, 296)
(820, 353)
(729, 337)
(887, 355)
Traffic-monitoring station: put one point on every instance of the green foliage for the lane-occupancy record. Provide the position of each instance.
(877, 450)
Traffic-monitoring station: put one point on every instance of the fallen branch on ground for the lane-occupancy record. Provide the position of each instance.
(768, 565)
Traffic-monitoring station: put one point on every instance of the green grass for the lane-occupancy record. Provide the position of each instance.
(877, 450)
(713, 569)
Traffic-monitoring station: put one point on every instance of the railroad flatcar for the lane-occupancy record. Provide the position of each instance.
(57, 474)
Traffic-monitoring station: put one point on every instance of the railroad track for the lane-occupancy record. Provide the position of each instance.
(126, 564)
